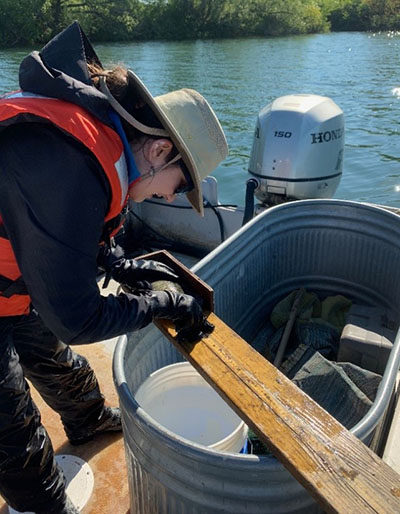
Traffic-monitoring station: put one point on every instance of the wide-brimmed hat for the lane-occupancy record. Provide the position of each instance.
(191, 124)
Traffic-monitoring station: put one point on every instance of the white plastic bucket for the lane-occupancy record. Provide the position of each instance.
(179, 398)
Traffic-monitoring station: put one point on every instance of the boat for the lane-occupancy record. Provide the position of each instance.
(295, 167)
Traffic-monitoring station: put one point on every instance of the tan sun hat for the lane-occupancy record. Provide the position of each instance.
(192, 125)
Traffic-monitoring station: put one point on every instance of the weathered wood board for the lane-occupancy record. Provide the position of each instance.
(338, 470)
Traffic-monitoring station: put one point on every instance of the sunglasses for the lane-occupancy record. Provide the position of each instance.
(187, 185)
(182, 189)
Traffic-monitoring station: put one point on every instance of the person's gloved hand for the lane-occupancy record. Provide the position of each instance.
(184, 311)
(108, 255)
(136, 274)
(131, 271)
(141, 287)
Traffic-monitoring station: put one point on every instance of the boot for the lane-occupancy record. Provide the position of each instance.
(110, 421)
(69, 508)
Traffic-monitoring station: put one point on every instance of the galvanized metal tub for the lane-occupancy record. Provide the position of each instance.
(325, 245)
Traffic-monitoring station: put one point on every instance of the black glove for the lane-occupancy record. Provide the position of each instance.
(139, 288)
(132, 272)
(108, 255)
(185, 312)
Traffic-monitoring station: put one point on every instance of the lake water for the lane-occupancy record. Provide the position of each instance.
(359, 71)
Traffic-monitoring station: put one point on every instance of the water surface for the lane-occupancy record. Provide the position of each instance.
(359, 71)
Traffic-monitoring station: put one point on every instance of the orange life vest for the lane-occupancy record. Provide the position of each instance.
(101, 140)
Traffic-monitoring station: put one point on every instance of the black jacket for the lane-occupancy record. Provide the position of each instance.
(54, 197)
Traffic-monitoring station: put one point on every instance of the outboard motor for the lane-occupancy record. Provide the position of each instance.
(297, 151)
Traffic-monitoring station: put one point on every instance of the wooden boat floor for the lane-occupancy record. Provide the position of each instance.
(105, 454)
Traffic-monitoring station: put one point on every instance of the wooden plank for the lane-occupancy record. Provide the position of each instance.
(338, 470)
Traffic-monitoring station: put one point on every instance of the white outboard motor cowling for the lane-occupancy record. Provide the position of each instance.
(298, 149)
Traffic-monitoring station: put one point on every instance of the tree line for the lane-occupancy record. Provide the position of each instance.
(28, 22)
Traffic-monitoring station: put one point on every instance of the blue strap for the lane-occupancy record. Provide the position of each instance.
(133, 172)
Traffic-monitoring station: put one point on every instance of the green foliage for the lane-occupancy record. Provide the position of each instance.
(107, 20)
(111, 20)
(384, 14)
(350, 15)
(21, 22)
(182, 19)
(190, 19)
(36, 21)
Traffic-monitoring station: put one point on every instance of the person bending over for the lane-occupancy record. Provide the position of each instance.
(76, 142)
